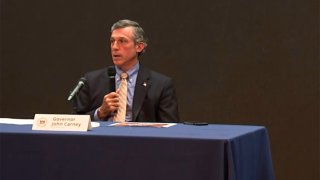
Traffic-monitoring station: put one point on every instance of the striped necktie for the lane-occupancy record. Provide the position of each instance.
(120, 115)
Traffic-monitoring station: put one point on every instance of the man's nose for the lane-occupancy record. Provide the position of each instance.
(115, 45)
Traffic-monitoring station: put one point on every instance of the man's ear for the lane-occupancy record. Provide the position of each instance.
(139, 47)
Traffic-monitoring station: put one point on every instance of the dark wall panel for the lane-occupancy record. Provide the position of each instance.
(232, 61)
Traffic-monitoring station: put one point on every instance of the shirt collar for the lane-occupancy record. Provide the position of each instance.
(130, 73)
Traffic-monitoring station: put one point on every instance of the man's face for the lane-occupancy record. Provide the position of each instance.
(124, 50)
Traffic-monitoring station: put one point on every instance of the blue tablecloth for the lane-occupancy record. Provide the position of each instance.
(213, 152)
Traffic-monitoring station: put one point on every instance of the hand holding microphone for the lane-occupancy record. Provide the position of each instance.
(110, 101)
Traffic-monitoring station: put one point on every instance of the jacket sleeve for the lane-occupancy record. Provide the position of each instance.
(168, 105)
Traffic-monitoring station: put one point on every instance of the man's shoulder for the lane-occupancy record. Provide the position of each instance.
(155, 76)
(96, 74)
(158, 75)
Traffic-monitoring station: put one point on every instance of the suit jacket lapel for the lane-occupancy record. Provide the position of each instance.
(142, 85)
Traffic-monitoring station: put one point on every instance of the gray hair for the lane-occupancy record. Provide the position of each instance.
(138, 33)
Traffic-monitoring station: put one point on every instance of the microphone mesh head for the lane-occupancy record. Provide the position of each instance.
(111, 71)
(83, 80)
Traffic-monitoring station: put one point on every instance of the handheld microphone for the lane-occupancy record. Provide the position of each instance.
(112, 76)
(81, 83)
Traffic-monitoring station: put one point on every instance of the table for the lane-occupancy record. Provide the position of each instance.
(181, 152)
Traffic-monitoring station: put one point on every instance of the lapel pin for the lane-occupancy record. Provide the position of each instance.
(144, 84)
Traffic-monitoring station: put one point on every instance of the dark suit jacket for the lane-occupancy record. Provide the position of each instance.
(154, 97)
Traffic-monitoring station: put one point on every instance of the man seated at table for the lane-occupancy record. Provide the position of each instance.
(150, 96)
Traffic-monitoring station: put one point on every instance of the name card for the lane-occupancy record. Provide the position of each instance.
(61, 122)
